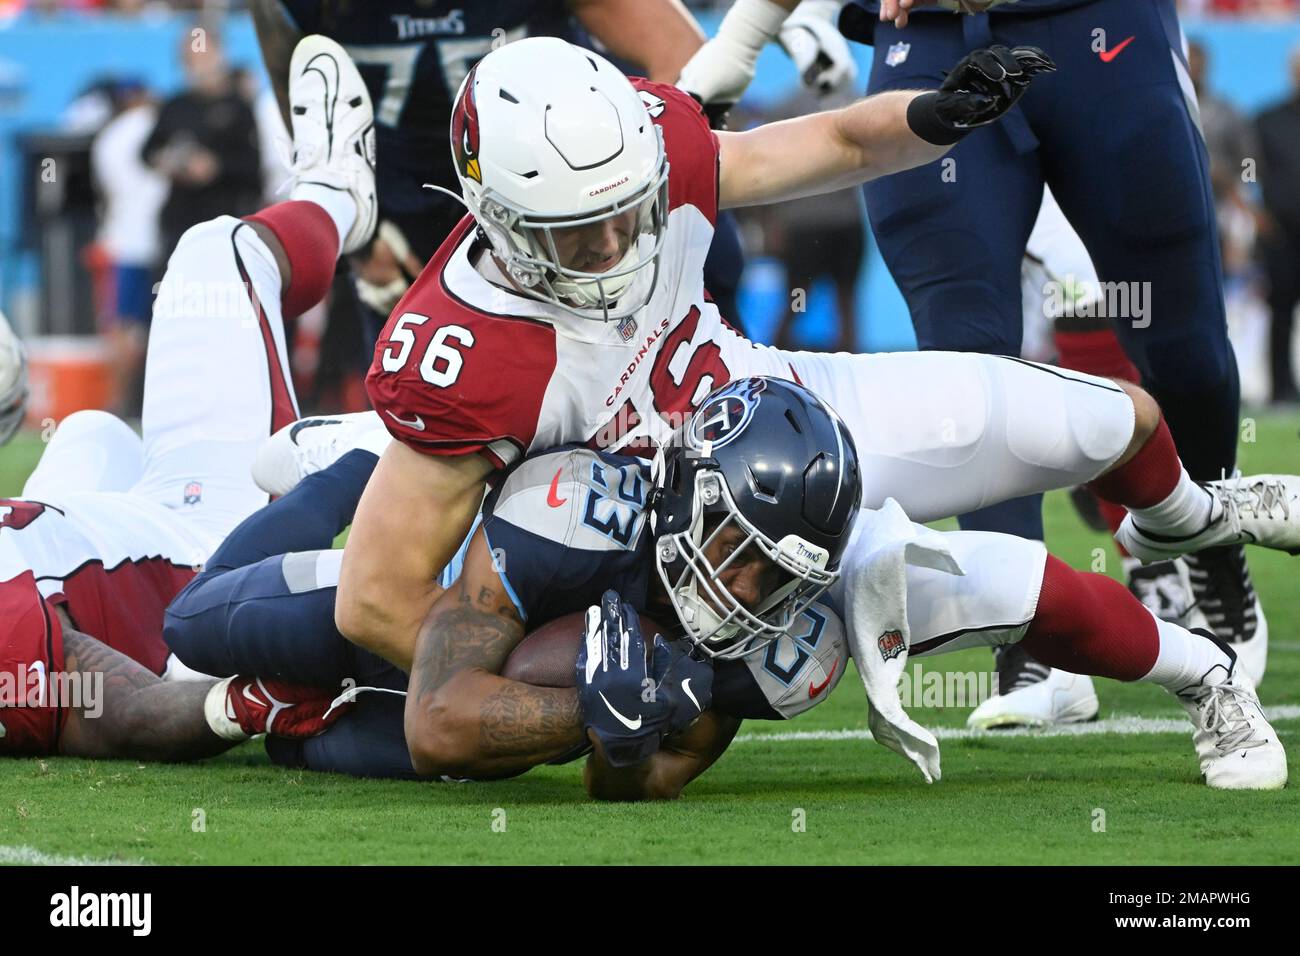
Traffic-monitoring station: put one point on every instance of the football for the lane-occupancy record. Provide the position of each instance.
(548, 656)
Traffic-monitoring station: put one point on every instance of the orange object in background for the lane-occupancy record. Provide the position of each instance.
(66, 374)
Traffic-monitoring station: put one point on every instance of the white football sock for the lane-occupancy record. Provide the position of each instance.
(1186, 659)
(218, 715)
(1186, 510)
(340, 205)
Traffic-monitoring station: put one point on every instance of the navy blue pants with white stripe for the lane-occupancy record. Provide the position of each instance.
(1117, 140)
(264, 606)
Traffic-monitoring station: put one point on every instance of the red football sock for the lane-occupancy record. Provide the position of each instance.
(311, 243)
(1113, 515)
(1091, 624)
(1146, 479)
(1097, 352)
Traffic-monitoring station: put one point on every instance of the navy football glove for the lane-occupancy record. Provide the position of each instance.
(980, 89)
(616, 690)
(987, 83)
(685, 683)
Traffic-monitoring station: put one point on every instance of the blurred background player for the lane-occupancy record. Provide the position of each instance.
(133, 195)
(13, 381)
(205, 142)
(1278, 129)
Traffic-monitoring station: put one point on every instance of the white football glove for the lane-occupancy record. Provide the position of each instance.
(719, 72)
(819, 51)
(13, 381)
(384, 296)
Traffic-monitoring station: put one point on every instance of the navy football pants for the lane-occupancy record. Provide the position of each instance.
(262, 608)
(1118, 144)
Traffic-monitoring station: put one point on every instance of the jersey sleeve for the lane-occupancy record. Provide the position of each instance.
(792, 675)
(560, 535)
(449, 380)
(692, 147)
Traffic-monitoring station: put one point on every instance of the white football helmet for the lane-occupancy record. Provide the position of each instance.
(13, 381)
(547, 136)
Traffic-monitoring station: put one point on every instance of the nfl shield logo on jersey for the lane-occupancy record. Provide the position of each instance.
(891, 644)
(627, 329)
(897, 54)
(193, 493)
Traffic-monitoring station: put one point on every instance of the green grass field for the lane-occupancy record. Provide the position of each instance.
(1025, 799)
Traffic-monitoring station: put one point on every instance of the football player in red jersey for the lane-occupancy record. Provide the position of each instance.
(570, 307)
(111, 526)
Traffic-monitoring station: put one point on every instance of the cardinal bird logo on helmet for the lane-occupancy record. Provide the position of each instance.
(464, 132)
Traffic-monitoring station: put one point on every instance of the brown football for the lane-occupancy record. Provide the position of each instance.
(548, 656)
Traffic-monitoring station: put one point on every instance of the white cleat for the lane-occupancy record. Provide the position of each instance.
(13, 381)
(1237, 747)
(313, 444)
(1253, 509)
(333, 129)
(1062, 698)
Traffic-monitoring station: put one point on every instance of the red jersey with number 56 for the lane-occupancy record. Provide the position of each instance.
(465, 365)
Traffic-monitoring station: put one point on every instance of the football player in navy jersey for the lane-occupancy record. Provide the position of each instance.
(413, 56)
(564, 532)
(731, 539)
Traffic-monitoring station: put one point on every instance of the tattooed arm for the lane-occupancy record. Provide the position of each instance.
(680, 759)
(462, 718)
(127, 711)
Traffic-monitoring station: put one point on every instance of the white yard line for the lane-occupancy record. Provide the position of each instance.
(30, 856)
(1118, 724)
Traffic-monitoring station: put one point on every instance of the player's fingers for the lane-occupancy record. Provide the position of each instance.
(634, 640)
(988, 65)
(1033, 60)
(612, 629)
(1007, 61)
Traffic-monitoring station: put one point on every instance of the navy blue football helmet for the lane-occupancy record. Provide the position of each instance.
(770, 457)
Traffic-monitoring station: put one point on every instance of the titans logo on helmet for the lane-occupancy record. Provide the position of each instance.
(726, 414)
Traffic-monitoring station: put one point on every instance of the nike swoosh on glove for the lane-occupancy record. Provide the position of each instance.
(987, 83)
(681, 680)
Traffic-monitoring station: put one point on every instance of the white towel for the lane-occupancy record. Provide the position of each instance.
(872, 598)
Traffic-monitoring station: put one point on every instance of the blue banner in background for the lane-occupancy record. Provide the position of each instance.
(46, 61)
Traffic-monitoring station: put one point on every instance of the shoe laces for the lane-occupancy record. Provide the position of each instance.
(298, 161)
(1256, 497)
(1223, 714)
